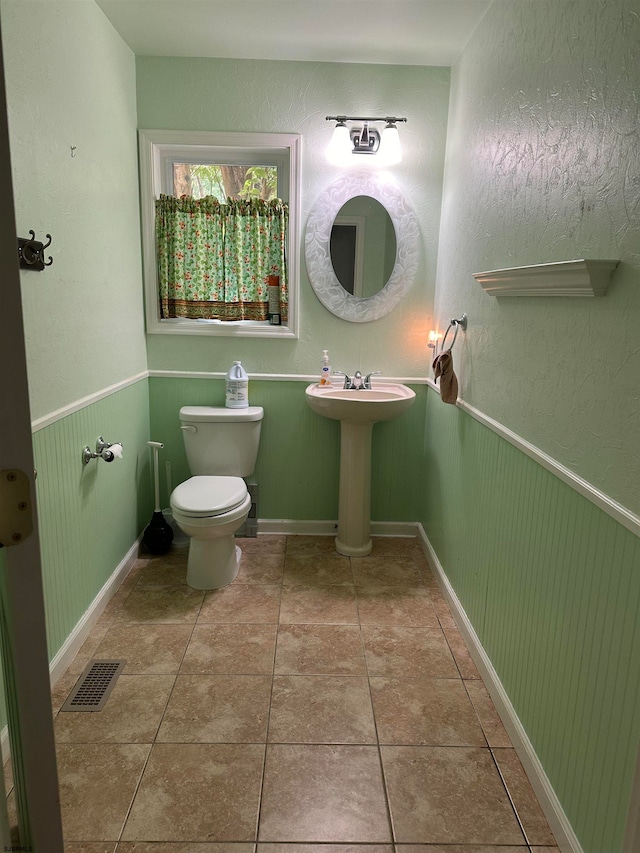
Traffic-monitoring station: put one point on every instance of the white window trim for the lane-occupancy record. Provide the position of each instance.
(152, 144)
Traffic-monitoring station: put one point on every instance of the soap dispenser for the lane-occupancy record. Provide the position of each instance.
(325, 373)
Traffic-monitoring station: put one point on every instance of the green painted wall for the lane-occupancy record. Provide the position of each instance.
(90, 515)
(71, 82)
(551, 585)
(295, 97)
(299, 456)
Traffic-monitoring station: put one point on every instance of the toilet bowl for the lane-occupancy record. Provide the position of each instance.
(213, 504)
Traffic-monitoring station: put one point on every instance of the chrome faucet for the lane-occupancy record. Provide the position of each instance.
(358, 382)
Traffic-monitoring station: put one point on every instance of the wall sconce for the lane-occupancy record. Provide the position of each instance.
(432, 342)
(364, 139)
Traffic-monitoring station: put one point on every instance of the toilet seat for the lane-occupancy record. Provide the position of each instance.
(205, 496)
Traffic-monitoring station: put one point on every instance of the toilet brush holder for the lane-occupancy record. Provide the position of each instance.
(158, 534)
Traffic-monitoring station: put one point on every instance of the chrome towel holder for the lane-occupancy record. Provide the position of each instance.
(455, 324)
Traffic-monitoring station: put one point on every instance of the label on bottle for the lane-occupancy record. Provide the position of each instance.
(325, 376)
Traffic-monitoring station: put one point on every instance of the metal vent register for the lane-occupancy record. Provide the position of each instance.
(94, 685)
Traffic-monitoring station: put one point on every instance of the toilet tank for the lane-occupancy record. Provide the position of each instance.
(221, 441)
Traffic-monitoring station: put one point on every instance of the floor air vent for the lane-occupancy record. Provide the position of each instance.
(94, 685)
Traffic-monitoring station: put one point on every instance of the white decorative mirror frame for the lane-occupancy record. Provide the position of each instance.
(318, 253)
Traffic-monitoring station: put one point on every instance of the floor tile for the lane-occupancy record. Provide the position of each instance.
(388, 571)
(534, 823)
(459, 650)
(87, 650)
(407, 652)
(242, 603)
(148, 649)
(400, 546)
(90, 847)
(310, 545)
(178, 603)
(167, 571)
(198, 792)
(217, 709)
(319, 604)
(460, 848)
(319, 650)
(317, 570)
(182, 847)
(424, 711)
(321, 709)
(260, 568)
(325, 848)
(236, 649)
(396, 605)
(447, 795)
(263, 543)
(492, 726)
(97, 784)
(323, 794)
(131, 714)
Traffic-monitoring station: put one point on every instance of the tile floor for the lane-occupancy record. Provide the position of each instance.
(319, 704)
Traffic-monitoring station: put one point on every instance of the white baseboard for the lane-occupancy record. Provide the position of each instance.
(76, 638)
(293, 527)
(549, 802)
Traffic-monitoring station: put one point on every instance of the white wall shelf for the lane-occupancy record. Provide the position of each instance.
(567, 278)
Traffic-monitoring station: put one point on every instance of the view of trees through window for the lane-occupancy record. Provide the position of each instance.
(225, 181)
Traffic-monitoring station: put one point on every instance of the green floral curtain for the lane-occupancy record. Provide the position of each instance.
(214, 259)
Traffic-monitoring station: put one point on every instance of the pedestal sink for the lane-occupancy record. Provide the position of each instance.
(357, 410)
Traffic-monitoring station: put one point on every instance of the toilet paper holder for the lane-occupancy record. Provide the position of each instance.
(104, 450)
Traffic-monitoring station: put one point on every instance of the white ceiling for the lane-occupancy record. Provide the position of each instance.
(399, 32)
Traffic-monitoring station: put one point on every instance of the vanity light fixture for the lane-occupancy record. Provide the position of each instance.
(364, 139)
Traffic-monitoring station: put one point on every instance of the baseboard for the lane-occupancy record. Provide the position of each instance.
(76, 638)
(549, 802)
(294, 527)
(82, 630)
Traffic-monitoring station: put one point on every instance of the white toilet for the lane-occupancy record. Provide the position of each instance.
(222, 447)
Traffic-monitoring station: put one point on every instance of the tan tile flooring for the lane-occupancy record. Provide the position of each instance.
(319, 704)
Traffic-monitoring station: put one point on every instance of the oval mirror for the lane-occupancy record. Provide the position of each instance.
(327, 287)
(363, 246)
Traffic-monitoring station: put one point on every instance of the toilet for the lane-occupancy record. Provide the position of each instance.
(222, 447)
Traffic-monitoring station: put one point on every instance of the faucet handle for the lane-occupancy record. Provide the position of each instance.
(367, 379)
(347, 379)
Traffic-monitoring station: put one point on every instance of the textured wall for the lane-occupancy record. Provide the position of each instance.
(542, 165)
(295, 97)
(71, 82)
(551, 585)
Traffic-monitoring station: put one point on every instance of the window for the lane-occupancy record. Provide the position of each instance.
(215, 167)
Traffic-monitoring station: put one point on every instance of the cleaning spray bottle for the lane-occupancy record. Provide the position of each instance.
(325, 374)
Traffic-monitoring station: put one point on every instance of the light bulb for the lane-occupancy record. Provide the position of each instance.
(389, 151)
(339, 150)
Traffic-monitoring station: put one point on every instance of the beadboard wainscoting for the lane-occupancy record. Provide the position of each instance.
(299, 456)
(549, 584)
(90, 515)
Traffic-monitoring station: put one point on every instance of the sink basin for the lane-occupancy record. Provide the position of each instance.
(367, 405)
(357, 412)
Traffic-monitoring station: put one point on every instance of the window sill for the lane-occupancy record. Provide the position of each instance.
(234, 328)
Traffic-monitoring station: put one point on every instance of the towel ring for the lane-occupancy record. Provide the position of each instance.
(454, 324)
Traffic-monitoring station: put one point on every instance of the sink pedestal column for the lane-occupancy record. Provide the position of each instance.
(354, 503)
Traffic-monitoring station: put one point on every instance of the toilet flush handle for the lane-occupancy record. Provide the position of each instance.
(189, 428)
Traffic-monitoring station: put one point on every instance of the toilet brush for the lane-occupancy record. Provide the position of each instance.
(158, 536)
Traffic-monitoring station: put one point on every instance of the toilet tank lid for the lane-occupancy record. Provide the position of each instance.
(213, 414)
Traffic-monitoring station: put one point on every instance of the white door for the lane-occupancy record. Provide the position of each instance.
(22, 622)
